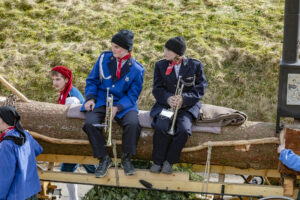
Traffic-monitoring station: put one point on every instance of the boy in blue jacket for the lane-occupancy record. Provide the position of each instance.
(18, 150)
(68, 94)
(118, 71)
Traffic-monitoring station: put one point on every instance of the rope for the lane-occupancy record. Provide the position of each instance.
(207, 170)
(101, 73)
(114, 143)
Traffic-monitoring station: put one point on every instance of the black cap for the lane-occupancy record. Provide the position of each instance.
(124, 38)
(177, 45)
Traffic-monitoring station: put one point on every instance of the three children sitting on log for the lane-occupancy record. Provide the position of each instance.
(119, 71)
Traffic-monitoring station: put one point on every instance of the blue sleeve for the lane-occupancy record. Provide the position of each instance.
(133, 93)
(196, 93)
(8, 163)
(92, 82)
(290, 159)
(38, 149)
(76, 93)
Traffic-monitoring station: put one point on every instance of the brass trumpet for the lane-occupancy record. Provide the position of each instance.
(107, 125)
(178, 91)
(108, 117)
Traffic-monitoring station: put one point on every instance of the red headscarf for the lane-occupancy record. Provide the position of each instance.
(67, 74)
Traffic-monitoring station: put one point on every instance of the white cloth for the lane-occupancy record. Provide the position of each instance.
(177, 68)
(72, 189)
(72, 100)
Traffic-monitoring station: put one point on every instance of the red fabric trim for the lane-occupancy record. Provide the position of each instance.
(171, 66)
(3, 134)
(120, 64)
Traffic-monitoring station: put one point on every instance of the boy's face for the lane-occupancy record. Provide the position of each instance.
(118, 51)
(59, 82)
(169, 55)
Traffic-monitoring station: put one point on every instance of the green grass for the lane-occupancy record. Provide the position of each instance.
(238, 41)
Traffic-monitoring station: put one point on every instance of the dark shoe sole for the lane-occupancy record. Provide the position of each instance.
(101, 176)
(167, 172)
(155, 172)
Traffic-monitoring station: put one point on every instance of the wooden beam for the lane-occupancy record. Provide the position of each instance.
(195, 168)
(163, 184)
(233, 170)
(67, 159)
(288, 185)
(13, 89)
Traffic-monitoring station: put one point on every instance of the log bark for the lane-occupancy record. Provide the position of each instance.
(251, 145)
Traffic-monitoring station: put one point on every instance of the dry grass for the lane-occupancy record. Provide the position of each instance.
(238, 41)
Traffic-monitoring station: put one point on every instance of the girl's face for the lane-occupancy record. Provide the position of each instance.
(59, 82)
(118, 51)
(169, 55)
(3, 125)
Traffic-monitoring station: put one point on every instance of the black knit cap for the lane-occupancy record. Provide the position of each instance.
(124, 38)
(11, 117)
(177, 45)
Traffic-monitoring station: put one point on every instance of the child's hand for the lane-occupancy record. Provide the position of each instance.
(89, 105)
(114, 111)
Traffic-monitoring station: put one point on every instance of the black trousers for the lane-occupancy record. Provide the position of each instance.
(131, 131)
(168, 147)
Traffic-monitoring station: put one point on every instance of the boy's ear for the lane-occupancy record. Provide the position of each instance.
(66, 80)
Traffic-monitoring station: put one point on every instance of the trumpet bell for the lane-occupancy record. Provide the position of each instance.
(171, 131)
(108, 144)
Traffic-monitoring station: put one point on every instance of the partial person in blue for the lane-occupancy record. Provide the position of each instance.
(289, 158)
(18, 150)
(68, 94)
(175, 69)
(119, 73)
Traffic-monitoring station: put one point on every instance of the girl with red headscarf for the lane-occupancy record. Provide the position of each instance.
(68, 94)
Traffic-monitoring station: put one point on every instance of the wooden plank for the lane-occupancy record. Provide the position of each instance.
(188, 186)
(196, 168)
(145, 174)
(233, 170)
(288, 186)
(221, 178)
(68, 159)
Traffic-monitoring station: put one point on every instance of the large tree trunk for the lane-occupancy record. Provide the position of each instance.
(50, 120)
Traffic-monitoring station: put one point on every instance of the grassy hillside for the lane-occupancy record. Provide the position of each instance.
(238, 41)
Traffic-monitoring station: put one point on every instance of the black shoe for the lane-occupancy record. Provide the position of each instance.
(155, 168)
(127, 165)
(104, 164)
(167, 168)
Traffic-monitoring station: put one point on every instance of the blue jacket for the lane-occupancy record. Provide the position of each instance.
(290, 159)
(164, 86)
(74, 92)
(125, 90)
(18, 171)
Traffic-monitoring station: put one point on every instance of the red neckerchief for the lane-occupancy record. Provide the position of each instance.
(3, 134)
(171, 66)
(120, 64)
